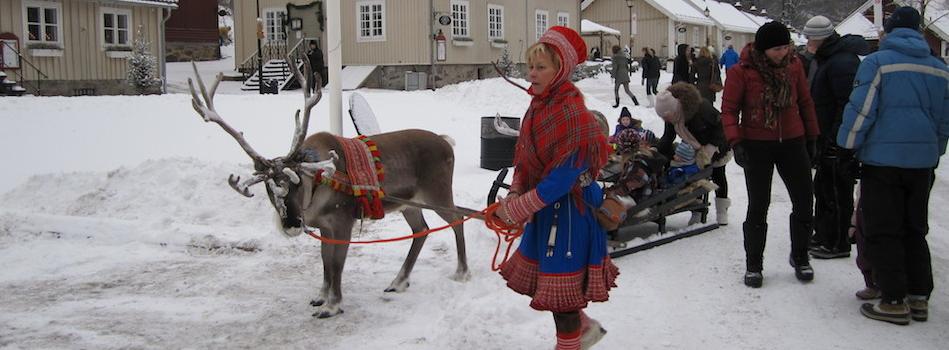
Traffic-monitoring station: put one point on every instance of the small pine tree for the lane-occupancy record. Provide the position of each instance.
(508, 67)
(143, 66)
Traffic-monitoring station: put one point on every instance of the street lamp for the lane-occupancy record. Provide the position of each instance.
(707, 13)
(629, 4)
(260, 62)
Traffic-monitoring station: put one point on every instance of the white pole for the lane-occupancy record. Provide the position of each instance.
(878, 15)
(335, 58)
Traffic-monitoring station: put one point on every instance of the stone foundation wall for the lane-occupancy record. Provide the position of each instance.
(190, 51)
(85, 87)
(393, 77)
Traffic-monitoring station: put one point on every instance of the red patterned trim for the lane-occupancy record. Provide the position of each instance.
(523, 207)
(563, 292)
(363, 177)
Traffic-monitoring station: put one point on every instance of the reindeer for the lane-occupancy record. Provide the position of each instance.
(418, 166)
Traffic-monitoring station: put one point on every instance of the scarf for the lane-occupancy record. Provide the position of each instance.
(556, 127)
(777, 87)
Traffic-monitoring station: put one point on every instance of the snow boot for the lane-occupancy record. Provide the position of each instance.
(918, 307)
(824, 253)
(651, 101)
(617, 103)
(721, 210)
(894, 312)
(591, 331)
(869, 293)
(754, 279)
(803, 271)
(635, 101)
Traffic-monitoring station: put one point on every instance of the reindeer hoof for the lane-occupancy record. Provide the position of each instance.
(327, 313)
(317, 302)
(461, 276)
(397, 287)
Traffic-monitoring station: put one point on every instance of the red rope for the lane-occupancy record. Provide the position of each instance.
(504, 231)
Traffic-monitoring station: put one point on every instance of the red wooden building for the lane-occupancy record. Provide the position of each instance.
(192, 32)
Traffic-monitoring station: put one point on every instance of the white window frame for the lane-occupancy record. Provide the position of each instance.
(563, 19)
(495, 22)
(115, 12)
(460, 19)
(541, 27)
(271, 32)
(375, 26)
(43, 5)
(696, 37)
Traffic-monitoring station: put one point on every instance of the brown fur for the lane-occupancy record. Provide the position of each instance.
(688, 95)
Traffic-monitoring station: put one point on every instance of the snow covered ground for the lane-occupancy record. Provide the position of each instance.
(118, 230)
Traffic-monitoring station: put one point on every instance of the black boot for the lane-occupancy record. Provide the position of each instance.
(617, 103)
(801, 231)
(635, 101)
(755, 235)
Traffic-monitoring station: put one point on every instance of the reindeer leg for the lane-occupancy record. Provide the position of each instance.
(336, 261)
(461, 273)
(414, 217)
(326, 251)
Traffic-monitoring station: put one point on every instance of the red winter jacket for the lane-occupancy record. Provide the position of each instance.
(743, 94)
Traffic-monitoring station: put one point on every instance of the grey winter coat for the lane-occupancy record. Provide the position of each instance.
(620, 68)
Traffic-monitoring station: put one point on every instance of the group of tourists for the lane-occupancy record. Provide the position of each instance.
(884, 120)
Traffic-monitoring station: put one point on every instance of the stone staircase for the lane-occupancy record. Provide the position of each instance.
(9, 87)
(276, 70)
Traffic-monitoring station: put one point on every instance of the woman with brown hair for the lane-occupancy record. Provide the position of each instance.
(769, 120)
(706, 72)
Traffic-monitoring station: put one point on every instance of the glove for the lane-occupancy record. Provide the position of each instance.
(741, 158)
(812, 151)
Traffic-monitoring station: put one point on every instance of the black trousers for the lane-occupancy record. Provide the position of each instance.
(833, 194)
(895, 204)
(718, 178)
(652, 86)
(793, 164)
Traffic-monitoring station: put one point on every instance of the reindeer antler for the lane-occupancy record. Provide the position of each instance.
(207, 111)
(243, 186)
(299, 133)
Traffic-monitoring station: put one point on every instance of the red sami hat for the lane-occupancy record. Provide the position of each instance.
(570, 47)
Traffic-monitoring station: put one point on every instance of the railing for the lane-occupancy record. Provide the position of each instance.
(275, 50)
(20, 76)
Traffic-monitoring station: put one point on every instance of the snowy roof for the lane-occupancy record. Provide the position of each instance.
(680, 11)
(937, 18)
(760, 20)
(727, 16)
(584, 4)
(590, 27)
(858, 24)
(159, 3)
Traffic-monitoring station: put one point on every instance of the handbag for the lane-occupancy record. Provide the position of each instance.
(715, 85)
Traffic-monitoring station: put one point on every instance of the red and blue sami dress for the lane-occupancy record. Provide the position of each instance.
(562, 260)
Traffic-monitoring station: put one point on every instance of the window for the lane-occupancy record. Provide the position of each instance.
(540, 22)
(563, 19)
(273, 24)
(459, 18)
(695, 37)
(372, 20)
(115, 26)
(43, 21)
(495, 22)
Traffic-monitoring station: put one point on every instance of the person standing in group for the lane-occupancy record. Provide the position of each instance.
(699, 124)
(769, 120)
(706, 72)
(620, 72)
(315, 56)
(729, 57)
(897, 121)
(830, 73)
(681, 67)
(562, 261)
(651, 68)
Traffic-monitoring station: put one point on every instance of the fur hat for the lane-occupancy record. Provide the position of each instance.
(666, 104)
(685, 154)
(903, 17)
(772, 34)
(689, 98)
(818, 28)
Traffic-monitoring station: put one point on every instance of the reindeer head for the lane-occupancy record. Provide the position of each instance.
(284, 176)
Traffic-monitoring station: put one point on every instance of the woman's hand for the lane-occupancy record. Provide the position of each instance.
(741, 158)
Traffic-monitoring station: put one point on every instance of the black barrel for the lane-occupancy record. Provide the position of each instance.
(497, 150)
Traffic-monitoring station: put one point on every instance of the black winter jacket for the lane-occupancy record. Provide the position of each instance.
(651, 67)
(706, 126)
(831, 80)
(681, 70)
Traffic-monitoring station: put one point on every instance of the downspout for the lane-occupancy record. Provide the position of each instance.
(161, 50)
(431, 44)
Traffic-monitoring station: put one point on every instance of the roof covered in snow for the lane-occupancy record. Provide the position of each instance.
(159, 3)
(680, 11)
(726, 16)
(584, 4)
(858, 24)
(590, 27)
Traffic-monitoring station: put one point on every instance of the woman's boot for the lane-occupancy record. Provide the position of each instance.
(721, 210)
(617, 103)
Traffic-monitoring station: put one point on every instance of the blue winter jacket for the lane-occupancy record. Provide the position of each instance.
(898, 114)
(729, 58)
